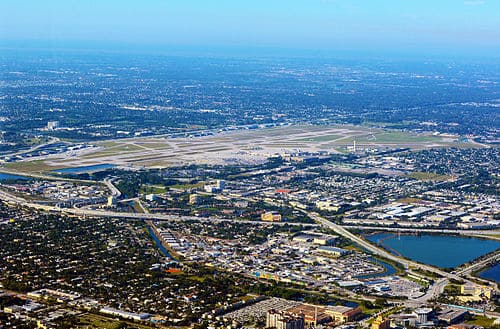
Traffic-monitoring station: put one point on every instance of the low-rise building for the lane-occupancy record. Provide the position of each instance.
(284, 320)
(451, 316)
(194, 199)
(343, 314)
(124, 314)
(474, 292)
(334, 251)
(271, 216)
(324, 240)
(381, 323)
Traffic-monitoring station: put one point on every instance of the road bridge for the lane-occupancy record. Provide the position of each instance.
(132, 216)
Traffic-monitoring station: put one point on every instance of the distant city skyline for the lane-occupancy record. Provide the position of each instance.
(447, 26)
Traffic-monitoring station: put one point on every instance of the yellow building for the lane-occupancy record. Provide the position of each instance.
(327, 206)
(467, 299)
(194, 199)
(314, 315)
(381, 323)
(111, 201)
(342, 314)
(12, 309)
(41, 325)
(271, 216)
(477, 291)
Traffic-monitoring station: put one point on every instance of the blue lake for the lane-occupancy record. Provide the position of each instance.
(85, 169)
(438, 250)
(4, 176)
(492, 273)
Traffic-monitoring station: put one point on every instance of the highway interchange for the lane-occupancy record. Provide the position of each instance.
(434, 290)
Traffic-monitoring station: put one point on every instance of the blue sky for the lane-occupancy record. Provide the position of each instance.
(419, 25)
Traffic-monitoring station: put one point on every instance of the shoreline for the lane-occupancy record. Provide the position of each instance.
(378, 230)
(476, 273)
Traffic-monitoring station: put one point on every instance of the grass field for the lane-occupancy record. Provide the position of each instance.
(323, 138)
(187, 186)
(154, 164)
(393, 137)
(154, 145)
(482, 321)
(428, 176)
(37, 166)
(155, 189)
(97, 321)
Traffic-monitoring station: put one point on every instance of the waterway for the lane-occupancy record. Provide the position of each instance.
(84, 169)
(492, 273)
(388, 270)
(158, 243)
(445, 251)
(4, 177)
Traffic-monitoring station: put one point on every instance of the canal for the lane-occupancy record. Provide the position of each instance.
(157, 241)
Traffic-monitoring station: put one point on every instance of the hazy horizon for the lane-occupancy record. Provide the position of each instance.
(318, 27)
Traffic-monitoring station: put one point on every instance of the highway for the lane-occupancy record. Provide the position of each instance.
(433, 291)
(375, 249)
(495, 257)
(134, 216)
(115, 192)
(490, 233)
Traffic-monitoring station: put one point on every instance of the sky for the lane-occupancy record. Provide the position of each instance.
(454, 26)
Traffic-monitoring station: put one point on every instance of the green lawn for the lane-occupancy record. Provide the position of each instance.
(187, 186)
(152, 189)
(452, 289)
(482, 321)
